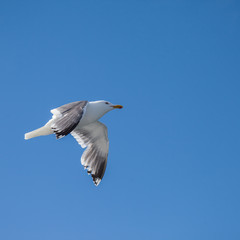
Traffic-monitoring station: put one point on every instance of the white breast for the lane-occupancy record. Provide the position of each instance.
(92, 113)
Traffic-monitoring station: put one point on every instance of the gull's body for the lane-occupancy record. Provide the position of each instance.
(81, 120)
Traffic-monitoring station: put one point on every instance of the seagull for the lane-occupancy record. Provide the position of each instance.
(80, 119)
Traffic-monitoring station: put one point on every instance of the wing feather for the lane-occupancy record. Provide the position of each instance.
(93, 136)
(67, 117)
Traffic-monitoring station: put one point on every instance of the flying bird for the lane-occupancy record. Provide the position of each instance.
(80, 119)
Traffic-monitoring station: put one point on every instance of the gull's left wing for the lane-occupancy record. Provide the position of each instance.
(93, 136)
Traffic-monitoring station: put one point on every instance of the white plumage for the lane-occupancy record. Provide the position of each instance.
(81, 120)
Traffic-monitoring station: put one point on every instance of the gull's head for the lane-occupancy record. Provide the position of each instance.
(106, 106)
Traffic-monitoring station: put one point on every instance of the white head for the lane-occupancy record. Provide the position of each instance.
(102, 107)
(105, 105)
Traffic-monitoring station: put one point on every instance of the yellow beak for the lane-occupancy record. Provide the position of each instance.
(117, 106)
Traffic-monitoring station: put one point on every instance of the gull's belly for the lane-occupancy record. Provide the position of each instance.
(88, 117)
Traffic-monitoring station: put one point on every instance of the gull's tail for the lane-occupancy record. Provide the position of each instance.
(45, 130)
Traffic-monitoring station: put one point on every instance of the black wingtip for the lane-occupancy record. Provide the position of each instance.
(96, 180)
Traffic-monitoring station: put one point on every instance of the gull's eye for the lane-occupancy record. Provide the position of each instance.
(106, 102)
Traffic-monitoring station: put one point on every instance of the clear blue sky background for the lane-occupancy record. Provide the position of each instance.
(173, 167)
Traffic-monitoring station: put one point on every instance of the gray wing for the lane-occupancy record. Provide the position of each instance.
(67, 117)
(93, 136)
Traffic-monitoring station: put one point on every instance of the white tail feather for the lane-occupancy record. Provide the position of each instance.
(42, 131)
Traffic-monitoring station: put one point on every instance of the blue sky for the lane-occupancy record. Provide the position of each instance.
(173, 167)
